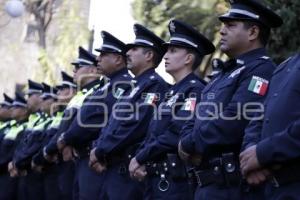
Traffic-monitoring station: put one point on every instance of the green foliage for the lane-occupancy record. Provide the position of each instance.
(285, 41)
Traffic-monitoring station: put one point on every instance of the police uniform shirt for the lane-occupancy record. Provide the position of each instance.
(9, 144)
(178, 106)
(50, 131)
(220, 122)
(120, 134)
(277, 134)
(31, 143)
(96, 110)
(68, 116)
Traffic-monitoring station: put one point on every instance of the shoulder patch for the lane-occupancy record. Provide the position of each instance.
(189, 104)
(258, 85)
(150, 98)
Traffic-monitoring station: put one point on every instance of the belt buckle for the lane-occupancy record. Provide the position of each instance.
(275, 182)
(163, 184)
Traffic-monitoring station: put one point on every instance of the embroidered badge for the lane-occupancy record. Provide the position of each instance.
(119, 93)
(150, 98)
(189, 105)
(258, 85)
(172, 100)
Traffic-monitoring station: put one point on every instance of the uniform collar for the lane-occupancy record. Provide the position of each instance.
(185, 80)
(91, 84)
(118, 73)
(145, 75)
(251, 55)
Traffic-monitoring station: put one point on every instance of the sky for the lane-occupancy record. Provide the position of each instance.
(114, 16)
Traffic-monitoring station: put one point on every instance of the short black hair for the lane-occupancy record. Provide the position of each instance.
(156, 56)
(198, 58)
(264, 31)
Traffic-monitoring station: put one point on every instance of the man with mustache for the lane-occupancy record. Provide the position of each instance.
(127, 126)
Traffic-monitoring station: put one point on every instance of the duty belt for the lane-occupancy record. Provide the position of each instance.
(222, 170)
(170, 167)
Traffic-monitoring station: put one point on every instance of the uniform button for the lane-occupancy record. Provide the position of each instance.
(275, 94)
(267, 120)
(288, 70)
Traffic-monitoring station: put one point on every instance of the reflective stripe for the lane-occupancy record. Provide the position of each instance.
(244, 12)
(68, 83)
(16, 103)
(183, 40)
(77, 100)
(34, 91)
(14, 131)
(111, 47)
(56, 120)
(143, 41)
(33, 119)
(40, 126)
(85, 61)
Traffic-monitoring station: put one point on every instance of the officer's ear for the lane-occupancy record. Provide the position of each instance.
(253, 32)
(119, 59)
(189, 59)
(149, 55)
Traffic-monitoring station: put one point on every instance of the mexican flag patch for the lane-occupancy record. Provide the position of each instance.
(189, 105)
(258, 85)
(119, 92)
(150, 98)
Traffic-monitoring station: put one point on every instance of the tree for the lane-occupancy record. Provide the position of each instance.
(56, 51)
(203, 15)
(285, 41)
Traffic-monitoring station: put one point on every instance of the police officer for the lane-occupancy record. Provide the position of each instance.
(122, 134)
(166, 174)
(51, 170)
(30, 144)
(272, 143)
(87, 78)
(94, 113)
(9, 182)
(215, 139)
(5, 115)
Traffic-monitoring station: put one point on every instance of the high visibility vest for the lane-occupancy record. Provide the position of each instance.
(15, 130)
(78, 99)
(56, 120)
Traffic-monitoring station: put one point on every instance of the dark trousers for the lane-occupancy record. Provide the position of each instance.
(31, 187)
(118, 185)
(284, 192)
(66, 179)
(177, 190)
(51, 188)
(88, 183)
(8, 187)
(215, 192)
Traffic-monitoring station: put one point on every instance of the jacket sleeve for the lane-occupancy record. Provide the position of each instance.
(280, 147)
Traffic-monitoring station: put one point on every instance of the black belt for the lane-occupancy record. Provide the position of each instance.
(222, 170)
(171, 166)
